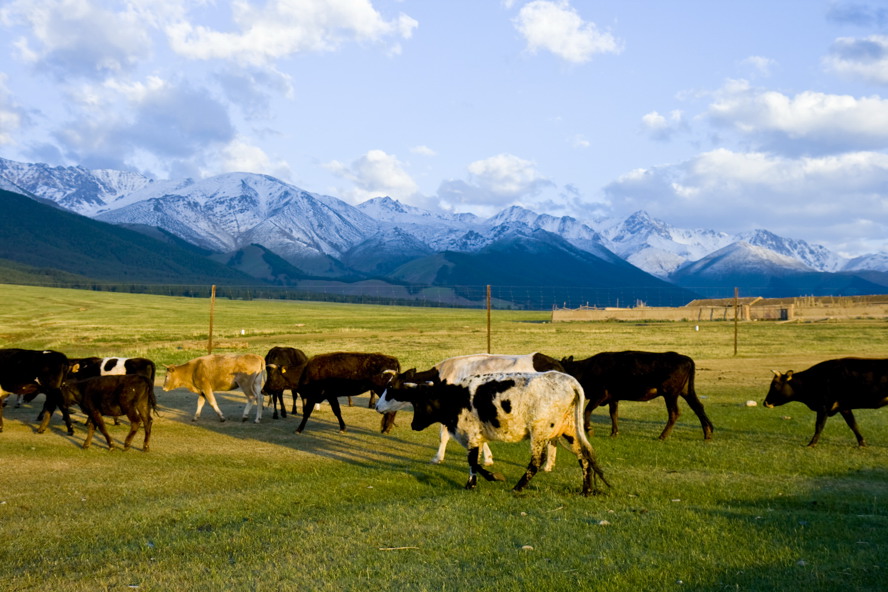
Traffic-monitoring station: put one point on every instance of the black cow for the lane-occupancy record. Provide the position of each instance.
(122, 394)
(345, 374)
(284, 366)
(610, 377)
(503, 406)
(83, 368)
(28, 372)
(834, 386)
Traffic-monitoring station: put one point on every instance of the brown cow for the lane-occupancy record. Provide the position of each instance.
(220, 372)
(121, 394)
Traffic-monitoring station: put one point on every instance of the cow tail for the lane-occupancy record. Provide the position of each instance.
(581, 434)
(692, 370)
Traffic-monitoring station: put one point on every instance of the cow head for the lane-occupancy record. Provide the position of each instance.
(781, 390)
(397, 394)
(172, 380)
(70, 392)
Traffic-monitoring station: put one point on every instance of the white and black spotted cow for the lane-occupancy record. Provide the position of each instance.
(83, 368)
(459, 368)
(507, 407)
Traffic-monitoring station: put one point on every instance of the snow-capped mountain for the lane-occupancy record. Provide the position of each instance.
(77, 189)
(324, 235)
(659, 248)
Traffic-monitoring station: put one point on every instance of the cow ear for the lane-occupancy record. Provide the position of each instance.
(75, 368)
(410, 385)
(789, 375)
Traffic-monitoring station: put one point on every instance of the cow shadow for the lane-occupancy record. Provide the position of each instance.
(362, 444)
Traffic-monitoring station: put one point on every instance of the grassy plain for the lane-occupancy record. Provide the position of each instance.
(240, 506)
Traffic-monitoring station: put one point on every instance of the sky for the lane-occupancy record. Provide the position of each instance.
(725, 115)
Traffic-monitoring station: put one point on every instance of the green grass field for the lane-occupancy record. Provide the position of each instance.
(240, 506)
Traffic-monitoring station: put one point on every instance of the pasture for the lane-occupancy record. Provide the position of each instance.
(240, 506)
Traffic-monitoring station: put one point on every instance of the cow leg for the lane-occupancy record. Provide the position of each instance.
(697, 407)
(337, 411)
(549, 458)
(537, 452)
(586, 457)
(99, 422)
(260, 398)
(49, 407)
(818, 426)
(211, 399)
(135, 420)
(476, 469)
(852, 423)
(674, 412)
(388, 422)
(442, 447)
(308, 406)
(2, 404)
(90, 430)
(250, 400)
(615, 416)
(349, 401)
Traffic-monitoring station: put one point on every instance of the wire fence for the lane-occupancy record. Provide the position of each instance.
(502, 297)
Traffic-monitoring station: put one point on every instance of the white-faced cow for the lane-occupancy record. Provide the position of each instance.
(459, 368)
(28, 372)
(508, 407)
(834, 386)
(220, 372)
(284, 366)
(114, 395)
(344, 374)
(610, 377)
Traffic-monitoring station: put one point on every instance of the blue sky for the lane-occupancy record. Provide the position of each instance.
(707, 114)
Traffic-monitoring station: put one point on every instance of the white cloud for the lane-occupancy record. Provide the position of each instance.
(423, 150)
(241, 156)
(553, 25)
(12, 117)
(807, 122)
(734, 191)
(375, 174)
(759, 64)
(660, 127)
(282, 28)
(77, 37)
(865, 58)
(507, 176)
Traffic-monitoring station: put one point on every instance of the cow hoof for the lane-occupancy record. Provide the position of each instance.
(70, 432)
(243, 419)
(436, 461)
(499, 477)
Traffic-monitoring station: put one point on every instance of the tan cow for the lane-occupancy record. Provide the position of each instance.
(220, 372)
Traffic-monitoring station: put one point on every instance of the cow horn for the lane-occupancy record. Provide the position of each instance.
(392, 372)
(777, 374)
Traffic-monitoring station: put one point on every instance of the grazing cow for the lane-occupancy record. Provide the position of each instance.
(459, 368)
(834, 386)
(119, 394)
(611, 377)
(28, 372)
(343, 374)
(220, 372)
(507, 407)
(284, 366)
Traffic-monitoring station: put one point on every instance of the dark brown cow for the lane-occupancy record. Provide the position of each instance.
(114, 395)
(610, 377)
(284, 366)
(28, 372)
(834, 386)
(344, 374)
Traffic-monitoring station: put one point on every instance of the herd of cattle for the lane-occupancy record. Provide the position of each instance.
(476, 398)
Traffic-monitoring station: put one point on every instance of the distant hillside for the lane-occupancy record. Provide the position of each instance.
(41, 236)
